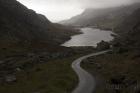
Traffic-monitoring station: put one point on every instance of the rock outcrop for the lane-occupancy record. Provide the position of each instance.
(103, 45)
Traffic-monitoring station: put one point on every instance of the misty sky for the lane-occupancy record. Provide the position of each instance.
(57, 10)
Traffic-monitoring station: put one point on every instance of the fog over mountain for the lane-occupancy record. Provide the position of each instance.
(57, 10)
(35, 59)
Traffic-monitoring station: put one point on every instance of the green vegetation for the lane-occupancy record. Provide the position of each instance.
(54, 76)
(119, 70)
(123, 67)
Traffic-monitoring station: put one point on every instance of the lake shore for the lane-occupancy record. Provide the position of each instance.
(89, 37)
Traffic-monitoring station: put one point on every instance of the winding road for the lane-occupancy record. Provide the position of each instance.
(86, 80)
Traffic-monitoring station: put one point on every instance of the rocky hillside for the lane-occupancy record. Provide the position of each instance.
(28, 39)
(19, 23)
(129, 31)
(107, 18)
(118, 70)
(22, 26)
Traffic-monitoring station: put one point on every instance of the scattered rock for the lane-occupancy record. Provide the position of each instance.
(18, 69)
(103, 45)
(10, 78)
(1, 62)
(117, 80)
(30, 55)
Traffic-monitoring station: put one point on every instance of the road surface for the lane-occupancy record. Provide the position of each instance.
(86, 80)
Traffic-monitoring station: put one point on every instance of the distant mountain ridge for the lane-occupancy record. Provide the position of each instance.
(107, 18)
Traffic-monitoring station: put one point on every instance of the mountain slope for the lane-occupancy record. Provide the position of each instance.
(104, 18)
(120, 67)
(129, 31)
(28, 39)
(18, 22)
(20, 25)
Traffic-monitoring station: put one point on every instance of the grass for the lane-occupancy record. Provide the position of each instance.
(106, 67)
(54, 76)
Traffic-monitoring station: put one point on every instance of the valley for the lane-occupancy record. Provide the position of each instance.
(39, 56)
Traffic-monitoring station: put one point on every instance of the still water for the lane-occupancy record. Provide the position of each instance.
(89, 37)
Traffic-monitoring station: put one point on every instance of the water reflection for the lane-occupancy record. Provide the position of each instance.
(90, 37)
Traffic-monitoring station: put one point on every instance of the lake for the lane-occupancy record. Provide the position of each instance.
(89, 37)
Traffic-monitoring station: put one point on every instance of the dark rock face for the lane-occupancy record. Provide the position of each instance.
(25, 34)
(17, 23)
(129, 31)
(22, 26)
(103, 45)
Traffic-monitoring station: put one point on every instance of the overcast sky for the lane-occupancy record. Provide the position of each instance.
(57, 10)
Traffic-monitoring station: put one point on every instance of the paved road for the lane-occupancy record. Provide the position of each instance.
(86, 80)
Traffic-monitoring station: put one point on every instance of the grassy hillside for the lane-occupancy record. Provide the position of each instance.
(115, 70)
(129, 31)
(27, 40)
(118, 71)
(55, 76)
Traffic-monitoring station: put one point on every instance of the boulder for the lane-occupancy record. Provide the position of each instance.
(103, 45)
(10, 78)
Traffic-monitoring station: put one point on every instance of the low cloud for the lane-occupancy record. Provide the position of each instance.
(105, 3)
(63, 9)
